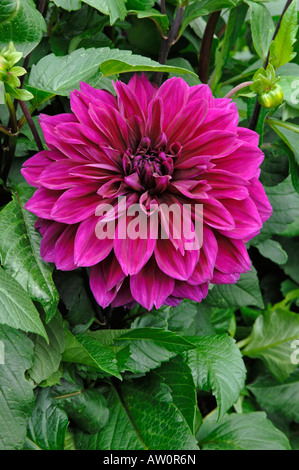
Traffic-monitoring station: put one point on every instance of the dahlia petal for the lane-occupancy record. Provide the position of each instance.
(249, 136)
(213, 143)
(226, 185)
(174, 94)
(35, 165)
(193, 113)
(221, 119)
(259, 197)
(98, 285)
(221, 278)
(88, 249)
(216, 215)
(64, 249)
(155, 119)
(201, 92)
(133, 252)
(42, 202)
(150, 286)
(123, 297)
(184, 290)
(111, 126)
(246, 217)
(172, 262)
(50, 237)
(203, 270)
(232, 256)
(95, 95)
(76, 204)
(143, 89)
(57, 175)
(244, 161)
(128, 103)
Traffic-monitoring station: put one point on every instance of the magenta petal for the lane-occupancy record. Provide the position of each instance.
(258, 195)
(76, 204)
(132, 253)
(42, 202)
(35, 165)
(98, 285)
(89, 250)
(64, 249)
(232, 256)
(124, 297)
(174, 94)
(203, 270)
(57, 175)
(50, 237)
(184, 290)
(150, 287)
(221, 278)
(172, 262)
(246, 217)
(143, 89)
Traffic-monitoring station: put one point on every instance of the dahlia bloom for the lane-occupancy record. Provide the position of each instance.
(154, 147)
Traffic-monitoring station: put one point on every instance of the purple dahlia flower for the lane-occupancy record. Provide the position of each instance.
(151, 148)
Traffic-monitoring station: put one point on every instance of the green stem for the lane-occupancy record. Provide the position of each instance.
(237, 88)
(243, 342)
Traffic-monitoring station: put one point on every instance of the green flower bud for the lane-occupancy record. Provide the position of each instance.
(272, 98)
(3, 68)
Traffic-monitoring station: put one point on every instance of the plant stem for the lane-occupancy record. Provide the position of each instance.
(206, 47)
(169, 41)
(257, 106)
(9, 150)
(31, 125)
(237, 88)
(5, 130)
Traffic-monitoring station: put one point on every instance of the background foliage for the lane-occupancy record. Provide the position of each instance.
(222, 374)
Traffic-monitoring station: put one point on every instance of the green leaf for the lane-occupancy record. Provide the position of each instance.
(21, 23)
(47, 357)
(114, 8)
(48, 423)
(262, 28)
(72, 292)
(234, 24)
(20, 252)
(87, 408)
(16, 395)
(82, 349)
(276, 397)
(59, 75)
(69, 5)
(251, 431)
(150, 347)
(273, 250)
(196, 9)
(16, 308)
(245, 292)
(271, 340)
(217, 364)
(281, 49)
(177, 375)
(161, 21)
(140, 419)
(280, 196)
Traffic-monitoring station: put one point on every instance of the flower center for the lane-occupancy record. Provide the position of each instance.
(150, 168)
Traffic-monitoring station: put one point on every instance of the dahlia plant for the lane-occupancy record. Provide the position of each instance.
(156, 147)
(149, 213)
